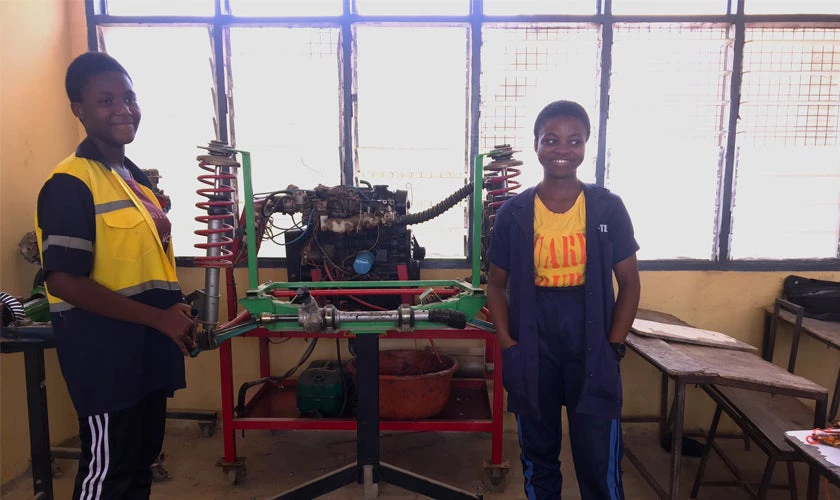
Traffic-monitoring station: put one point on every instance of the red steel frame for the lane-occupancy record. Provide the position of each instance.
(492, 381)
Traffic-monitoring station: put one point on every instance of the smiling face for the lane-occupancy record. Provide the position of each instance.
(561, 147)
(109, 110)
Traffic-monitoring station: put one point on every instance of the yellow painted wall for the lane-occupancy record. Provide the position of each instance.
(38, 38)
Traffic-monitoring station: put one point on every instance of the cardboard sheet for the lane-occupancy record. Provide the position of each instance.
(830, 453)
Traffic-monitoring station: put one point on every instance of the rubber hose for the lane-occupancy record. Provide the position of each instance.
(436, 210)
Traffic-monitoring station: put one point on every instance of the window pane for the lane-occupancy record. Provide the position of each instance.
(286, 110)
(413, 7)
(285, 7)
(161, 7)
(660, 7)
(175, 92)
(667, 130)
(510, 8)
(411, 123)
(788, 7)
(523, 69)
(787, 197)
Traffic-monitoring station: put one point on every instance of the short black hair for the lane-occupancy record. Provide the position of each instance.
(86, 66)
(561, 108)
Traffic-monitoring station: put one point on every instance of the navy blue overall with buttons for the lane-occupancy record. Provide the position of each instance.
(562, 356)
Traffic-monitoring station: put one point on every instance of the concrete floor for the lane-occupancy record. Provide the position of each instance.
(278, 460)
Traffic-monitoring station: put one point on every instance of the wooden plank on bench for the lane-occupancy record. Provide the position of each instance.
(772, 415)
(751, 372)
(827, 332)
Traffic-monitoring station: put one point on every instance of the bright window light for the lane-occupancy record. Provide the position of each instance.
(161, 7)
(286, 111)
(789, 7)
(525, 67)
(413, 7)
(537, 7)
(411, 123)
(175, 92)
(303, 8)
(654, 7)
(788, 165)
(667, 132)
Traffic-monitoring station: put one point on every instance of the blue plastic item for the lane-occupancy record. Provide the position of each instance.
(363, 262)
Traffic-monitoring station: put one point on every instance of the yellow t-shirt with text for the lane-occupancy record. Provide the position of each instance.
(559, 245)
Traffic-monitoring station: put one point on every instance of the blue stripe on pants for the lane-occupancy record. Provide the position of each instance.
(527, 467)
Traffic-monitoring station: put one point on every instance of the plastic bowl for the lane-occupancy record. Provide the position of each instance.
(412, 383)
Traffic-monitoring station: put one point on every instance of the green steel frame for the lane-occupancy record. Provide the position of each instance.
(258, 298)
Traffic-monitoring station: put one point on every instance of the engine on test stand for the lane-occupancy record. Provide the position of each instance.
(351, 233)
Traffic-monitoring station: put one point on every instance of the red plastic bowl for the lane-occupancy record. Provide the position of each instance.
(412, 383)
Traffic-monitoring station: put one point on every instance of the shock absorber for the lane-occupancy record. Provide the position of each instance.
(499, 178)
(501, 185)
(219, 220)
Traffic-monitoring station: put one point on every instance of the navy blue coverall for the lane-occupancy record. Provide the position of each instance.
(562, 356)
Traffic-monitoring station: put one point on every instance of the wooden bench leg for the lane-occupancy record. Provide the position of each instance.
(792, 481)
(707, 450)
(764, 485)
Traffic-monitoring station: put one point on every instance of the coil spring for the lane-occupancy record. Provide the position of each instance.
(499, 178)
(221, 207)
(500, 183)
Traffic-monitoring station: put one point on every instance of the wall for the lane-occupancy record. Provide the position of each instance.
(38, 38)
(37, 41)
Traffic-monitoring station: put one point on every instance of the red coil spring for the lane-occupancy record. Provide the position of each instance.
(220, 208)
(499, 178)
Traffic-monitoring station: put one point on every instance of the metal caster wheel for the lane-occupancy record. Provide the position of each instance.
(236, 475)
(159, 473)
(234, 471)
(55, 470)
(207, 429)
(495, 476)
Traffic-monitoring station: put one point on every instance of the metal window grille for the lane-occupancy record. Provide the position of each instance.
(791, 87)
(524, 67)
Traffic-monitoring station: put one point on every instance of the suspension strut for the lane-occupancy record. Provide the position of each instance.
(220, 216)
(501, 185)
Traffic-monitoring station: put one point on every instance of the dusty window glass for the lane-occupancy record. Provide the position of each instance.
(667, 134)
(787, 185)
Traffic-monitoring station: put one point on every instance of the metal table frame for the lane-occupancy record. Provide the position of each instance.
(14, 341)
(823, 331)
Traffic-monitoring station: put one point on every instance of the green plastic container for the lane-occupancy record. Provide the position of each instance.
(319, 390)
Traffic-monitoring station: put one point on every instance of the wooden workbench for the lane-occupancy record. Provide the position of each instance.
(693, 364)
(827, 332)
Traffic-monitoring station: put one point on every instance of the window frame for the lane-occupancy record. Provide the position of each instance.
(735, 16)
